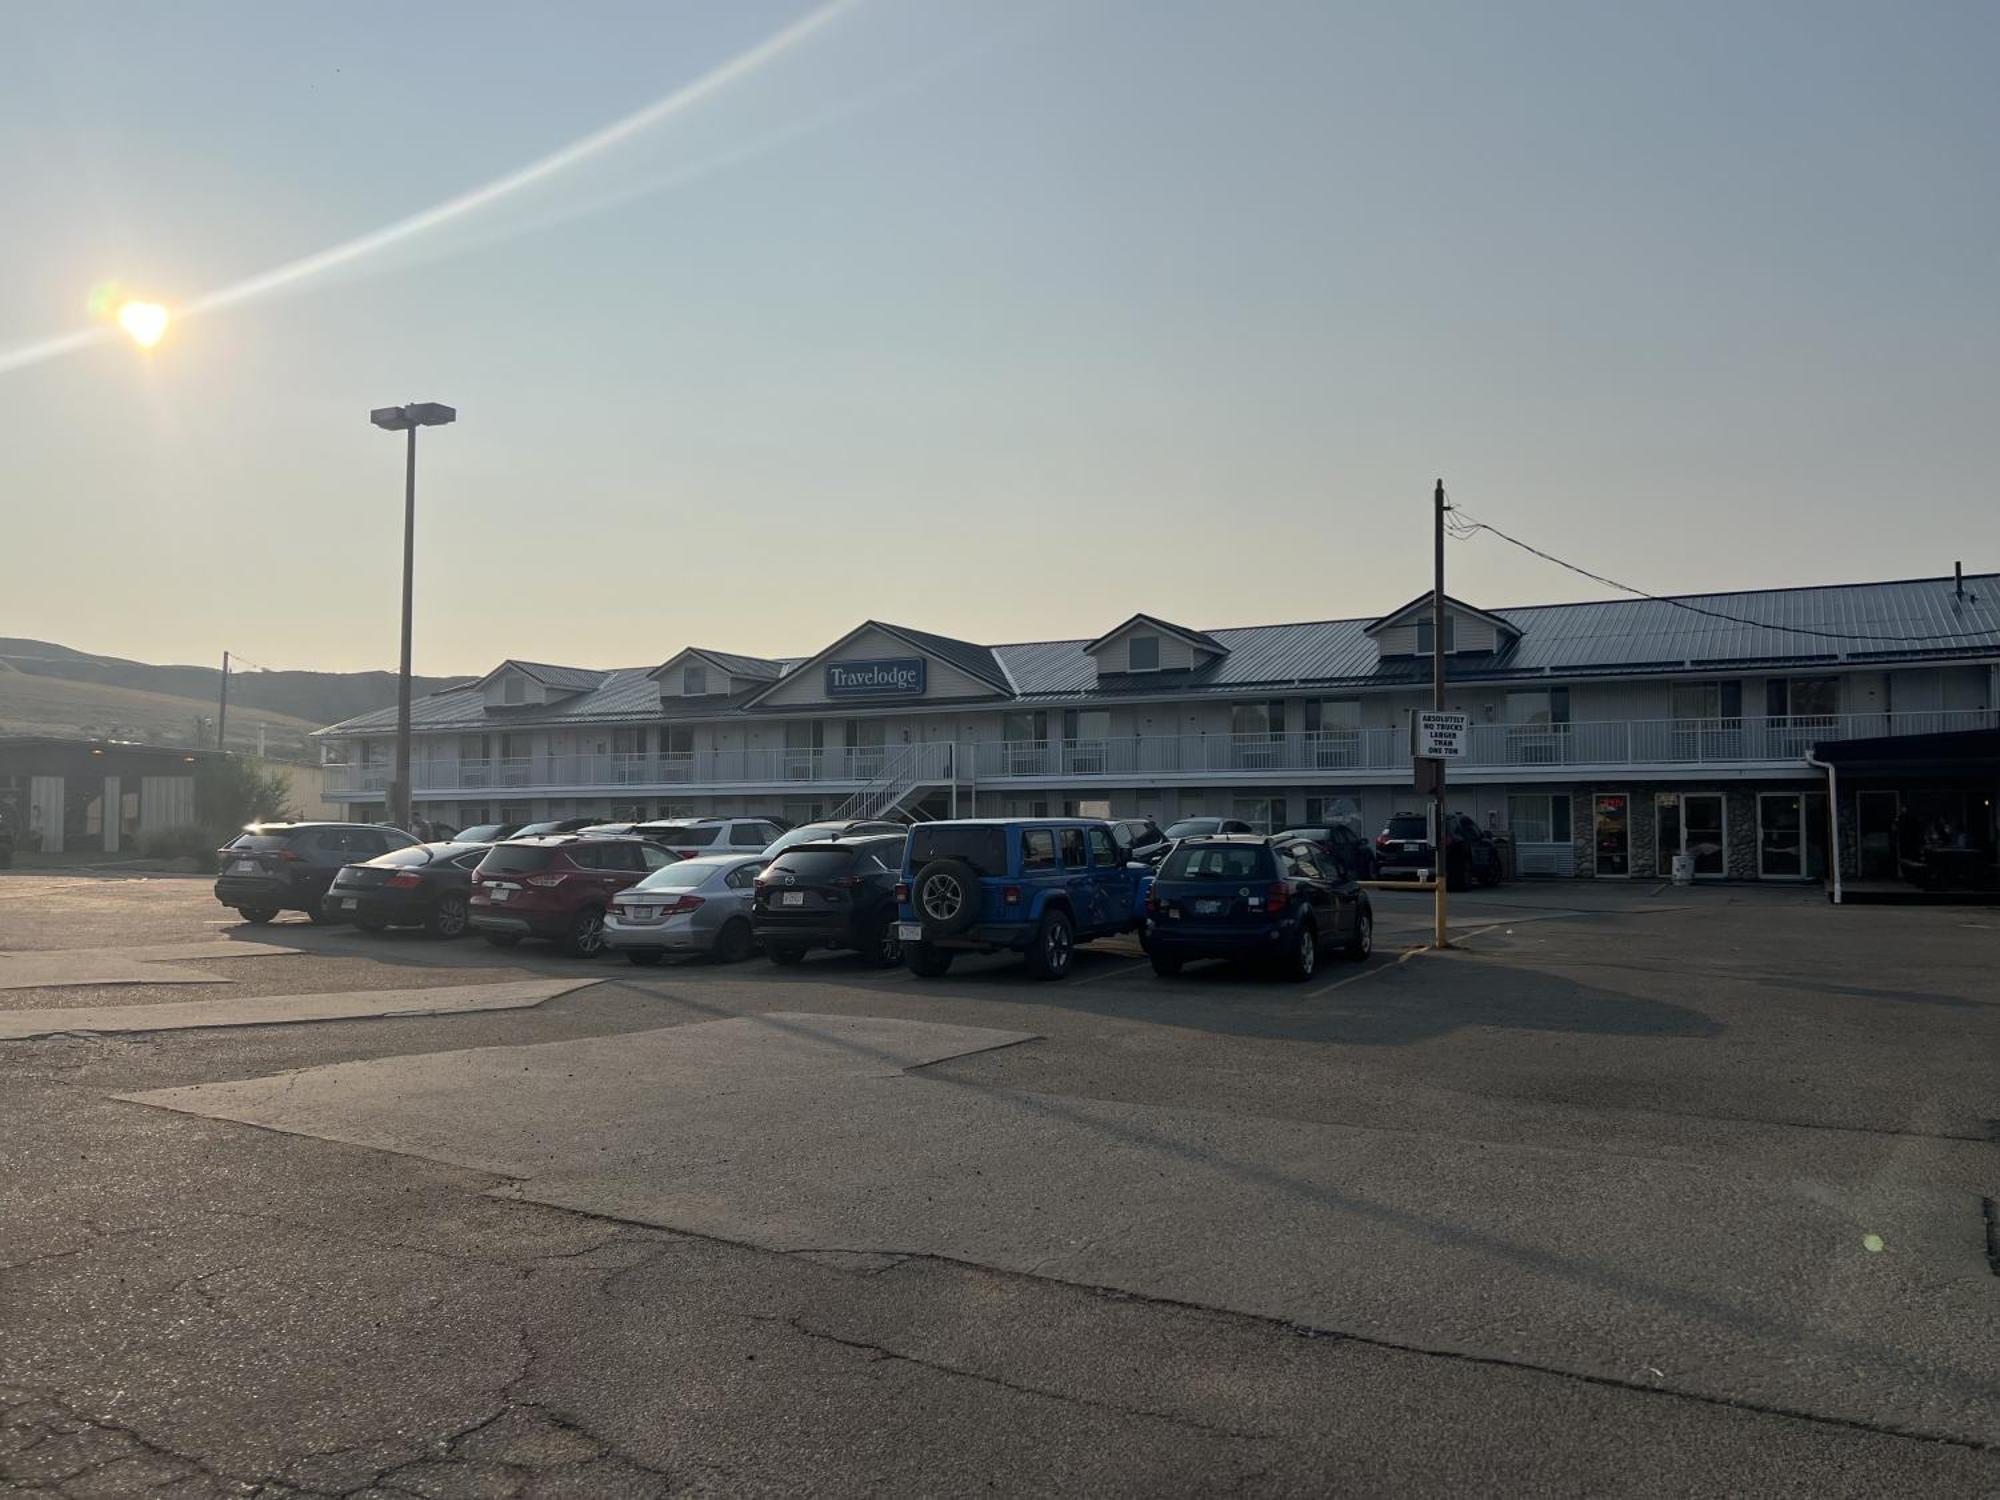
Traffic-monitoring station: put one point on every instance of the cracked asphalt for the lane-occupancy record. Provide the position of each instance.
(193, 1306)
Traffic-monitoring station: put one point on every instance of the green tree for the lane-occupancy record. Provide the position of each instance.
(232, 790)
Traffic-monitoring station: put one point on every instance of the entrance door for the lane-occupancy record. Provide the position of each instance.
(1782, 835)
(1612, 833)
(1875, 833)
(1666, 831)
(1702, 833)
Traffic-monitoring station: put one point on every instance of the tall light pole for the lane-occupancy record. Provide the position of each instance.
(407, 419)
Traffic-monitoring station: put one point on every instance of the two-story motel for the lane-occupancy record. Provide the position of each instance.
(1606, 736)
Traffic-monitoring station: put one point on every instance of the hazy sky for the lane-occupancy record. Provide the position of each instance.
(1002, 321)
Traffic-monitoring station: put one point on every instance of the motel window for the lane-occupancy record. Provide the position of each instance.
(1535, 818)
(514, 689)
(1696, 701)
(1144, 653)
(1261, 720)
(1802, 697)
(694, 680)
(1425, 642)
(680, 739)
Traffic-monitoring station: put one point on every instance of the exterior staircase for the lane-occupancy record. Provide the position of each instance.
(912, 769)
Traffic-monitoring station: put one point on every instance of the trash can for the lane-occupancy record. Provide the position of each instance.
(1683, 869)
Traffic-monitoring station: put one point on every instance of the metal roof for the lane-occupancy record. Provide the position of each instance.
(1919, 619)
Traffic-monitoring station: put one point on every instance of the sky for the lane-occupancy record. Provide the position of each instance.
(1003, 321)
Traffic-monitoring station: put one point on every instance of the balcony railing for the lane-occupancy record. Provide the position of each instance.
(1307, 754)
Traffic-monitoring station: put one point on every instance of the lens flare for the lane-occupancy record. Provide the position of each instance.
(145, 321)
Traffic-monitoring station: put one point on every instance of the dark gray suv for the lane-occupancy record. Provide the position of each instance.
(274, 867)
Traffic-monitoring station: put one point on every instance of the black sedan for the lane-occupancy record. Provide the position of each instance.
(426, 885)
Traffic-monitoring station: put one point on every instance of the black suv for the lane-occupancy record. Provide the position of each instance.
(1404, 849)
(831, 895)
(1355, 853)
(274, 867)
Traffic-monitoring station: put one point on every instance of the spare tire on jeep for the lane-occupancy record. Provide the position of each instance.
(946, 897)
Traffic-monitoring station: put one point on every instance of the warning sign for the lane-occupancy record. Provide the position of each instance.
(1439, 736)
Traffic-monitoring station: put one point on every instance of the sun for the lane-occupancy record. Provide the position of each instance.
(145, 321)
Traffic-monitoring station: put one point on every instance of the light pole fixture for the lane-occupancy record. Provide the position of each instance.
(408, 419)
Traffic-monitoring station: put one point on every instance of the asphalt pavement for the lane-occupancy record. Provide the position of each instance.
(1637, 1190)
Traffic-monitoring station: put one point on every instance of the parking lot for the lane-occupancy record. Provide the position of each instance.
(1632, 1171)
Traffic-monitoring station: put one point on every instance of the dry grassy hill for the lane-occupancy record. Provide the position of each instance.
(36, 704)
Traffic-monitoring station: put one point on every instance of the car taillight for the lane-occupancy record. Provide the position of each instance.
(902, 890)
(548, 880)
(406, 880)
(1011, 894)
(684, 903)
(1381, 840)
(1276, 895)
(1152, 899)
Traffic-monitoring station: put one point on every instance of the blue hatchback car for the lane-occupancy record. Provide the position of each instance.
(1034, 886)
(1275, 902)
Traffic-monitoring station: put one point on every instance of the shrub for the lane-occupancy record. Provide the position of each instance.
(185, 842)
(237, 789)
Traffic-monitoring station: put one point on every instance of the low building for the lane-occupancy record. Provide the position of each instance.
(67, 795)
(1607, 737)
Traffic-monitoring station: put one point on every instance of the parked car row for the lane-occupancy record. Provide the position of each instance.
(922, 895)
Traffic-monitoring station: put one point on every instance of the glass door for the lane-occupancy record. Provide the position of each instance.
(1702, 833)
(1780, 824)
(1666, 831)
(1612, 833)
(1875, 833)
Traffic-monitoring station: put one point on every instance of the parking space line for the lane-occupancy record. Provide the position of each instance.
(1369, 973)
(1109, 973)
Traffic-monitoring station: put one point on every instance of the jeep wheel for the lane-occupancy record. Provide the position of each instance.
(946, 896)
(1053, 946)
(927, 962)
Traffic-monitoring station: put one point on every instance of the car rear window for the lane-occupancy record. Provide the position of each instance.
(686, 837)
(414, 854)
(255, 841)
(1409, 826)
(814, 862)
(1219, 862)
(516, 859)
(681, 875)
(984, 848)
(1188, 827)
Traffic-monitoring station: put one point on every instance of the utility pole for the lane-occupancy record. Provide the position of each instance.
(222, 708)
(399, 795)
(1439, 845)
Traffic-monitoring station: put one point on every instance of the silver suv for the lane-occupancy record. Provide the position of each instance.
(693, 837)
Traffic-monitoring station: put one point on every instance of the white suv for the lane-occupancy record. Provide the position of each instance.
(690, 837)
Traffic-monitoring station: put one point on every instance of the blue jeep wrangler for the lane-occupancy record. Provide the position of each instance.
(1033, 886)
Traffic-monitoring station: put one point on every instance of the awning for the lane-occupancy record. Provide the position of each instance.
(1961, 755)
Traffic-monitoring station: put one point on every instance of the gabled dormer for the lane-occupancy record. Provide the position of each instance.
(697, 672)
(1146, 644)
(1407, 632)
(535, 684)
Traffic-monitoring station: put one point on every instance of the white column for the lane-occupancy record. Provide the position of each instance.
(113, 809)
(45, 811)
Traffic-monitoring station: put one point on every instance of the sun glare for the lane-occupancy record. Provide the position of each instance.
(145, 321)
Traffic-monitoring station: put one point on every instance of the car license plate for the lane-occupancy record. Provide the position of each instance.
(1207, 908)
(909, 932)
(496, 895)
(348, 903)
(791, 898)
(642, 913)
(243, 867)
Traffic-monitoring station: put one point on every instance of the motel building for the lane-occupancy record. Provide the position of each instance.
(1607, 737)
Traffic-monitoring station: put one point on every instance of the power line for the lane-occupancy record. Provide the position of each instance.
(1464, 527)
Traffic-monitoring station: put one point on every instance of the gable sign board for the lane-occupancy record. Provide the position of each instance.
(887, 677)
(1439, 736)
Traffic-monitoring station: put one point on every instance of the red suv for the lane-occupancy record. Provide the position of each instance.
(557, 886)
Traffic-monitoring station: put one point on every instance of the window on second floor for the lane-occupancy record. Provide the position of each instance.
(1802, 697)
(514, 689)
(1707, 701)
(1143, 653)
(1260, 720)
(1426, 643)
(694, 680)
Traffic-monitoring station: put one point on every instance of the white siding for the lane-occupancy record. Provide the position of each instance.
(45, 811)
(1115, 654)
(165, 802)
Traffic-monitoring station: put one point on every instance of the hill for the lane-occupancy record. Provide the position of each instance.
(47, 688)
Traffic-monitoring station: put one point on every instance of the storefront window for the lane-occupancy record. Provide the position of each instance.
(1538, 818)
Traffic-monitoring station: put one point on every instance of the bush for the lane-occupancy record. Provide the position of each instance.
(185, 842)
(235, 790)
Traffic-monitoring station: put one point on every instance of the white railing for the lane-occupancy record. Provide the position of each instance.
(1312, 755)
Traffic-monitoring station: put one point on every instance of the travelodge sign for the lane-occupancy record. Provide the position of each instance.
(890, 677)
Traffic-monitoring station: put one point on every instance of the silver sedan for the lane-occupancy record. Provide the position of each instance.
(692, 906)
